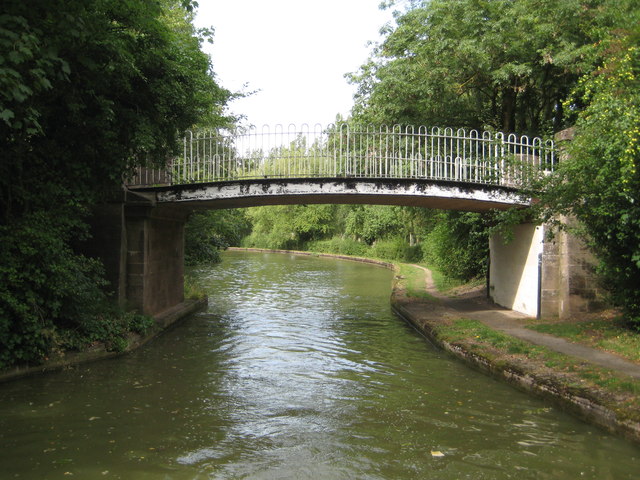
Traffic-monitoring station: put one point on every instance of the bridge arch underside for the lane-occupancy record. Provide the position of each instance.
(444, 195)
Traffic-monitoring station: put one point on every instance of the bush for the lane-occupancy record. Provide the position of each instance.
(50, 296)
(459, 245)
(44, 284)
(271, 241)
(109, 328)
(391, 249)
(206, 233)
(340, 246)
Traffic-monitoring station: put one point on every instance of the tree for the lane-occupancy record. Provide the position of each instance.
(111, 71)
(458, 244)
(89, 89)
(370, 222)
(208, 232)
(476, 63)
(290, 226)
(599, 183)
(512, 66)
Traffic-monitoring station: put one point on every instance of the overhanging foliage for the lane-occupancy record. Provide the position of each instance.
(89, 89)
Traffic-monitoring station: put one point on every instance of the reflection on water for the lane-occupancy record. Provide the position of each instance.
(298, 370)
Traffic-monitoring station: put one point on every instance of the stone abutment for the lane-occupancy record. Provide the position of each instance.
(142, 247)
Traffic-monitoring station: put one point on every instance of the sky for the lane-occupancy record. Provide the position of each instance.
(294, 53)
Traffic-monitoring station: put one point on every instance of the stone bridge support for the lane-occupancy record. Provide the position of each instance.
(142, 247)
(543, 276)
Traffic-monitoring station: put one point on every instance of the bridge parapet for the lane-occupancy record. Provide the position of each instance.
(339, 151)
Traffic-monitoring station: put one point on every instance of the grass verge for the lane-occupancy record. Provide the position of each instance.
(413, 281)
(444, 283)
(557, 376)
(610, 334)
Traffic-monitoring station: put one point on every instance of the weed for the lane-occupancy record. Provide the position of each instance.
(192, 290)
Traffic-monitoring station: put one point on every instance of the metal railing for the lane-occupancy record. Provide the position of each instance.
(398, 152)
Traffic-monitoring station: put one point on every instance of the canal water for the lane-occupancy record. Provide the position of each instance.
(298, 370)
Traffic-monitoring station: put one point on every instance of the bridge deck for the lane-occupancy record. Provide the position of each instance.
(408, 192)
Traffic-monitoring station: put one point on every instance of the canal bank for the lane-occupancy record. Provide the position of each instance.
(486, 338)
(62, 360)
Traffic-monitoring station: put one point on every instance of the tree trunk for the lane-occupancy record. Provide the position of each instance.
(509, 97)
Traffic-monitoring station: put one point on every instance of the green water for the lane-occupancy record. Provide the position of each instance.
(297, 371)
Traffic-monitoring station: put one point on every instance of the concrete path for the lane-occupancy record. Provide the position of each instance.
(477, 307)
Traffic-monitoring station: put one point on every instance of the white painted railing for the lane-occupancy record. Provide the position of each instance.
(491, 158)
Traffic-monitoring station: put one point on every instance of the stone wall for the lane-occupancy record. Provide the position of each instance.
(155, 258)
(569, 285)
(108, 242)
(142, 247)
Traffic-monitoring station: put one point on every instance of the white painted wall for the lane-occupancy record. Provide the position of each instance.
(513, 272)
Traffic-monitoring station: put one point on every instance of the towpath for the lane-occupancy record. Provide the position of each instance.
(476, 306)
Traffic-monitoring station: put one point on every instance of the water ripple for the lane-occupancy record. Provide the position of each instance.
(298, 370)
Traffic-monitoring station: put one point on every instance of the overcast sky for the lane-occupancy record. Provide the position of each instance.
(295, 52)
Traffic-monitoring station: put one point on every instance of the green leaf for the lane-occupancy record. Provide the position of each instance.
(7, 115)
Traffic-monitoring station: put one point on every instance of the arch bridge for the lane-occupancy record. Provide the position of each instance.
(141, 236)
(398, 165)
